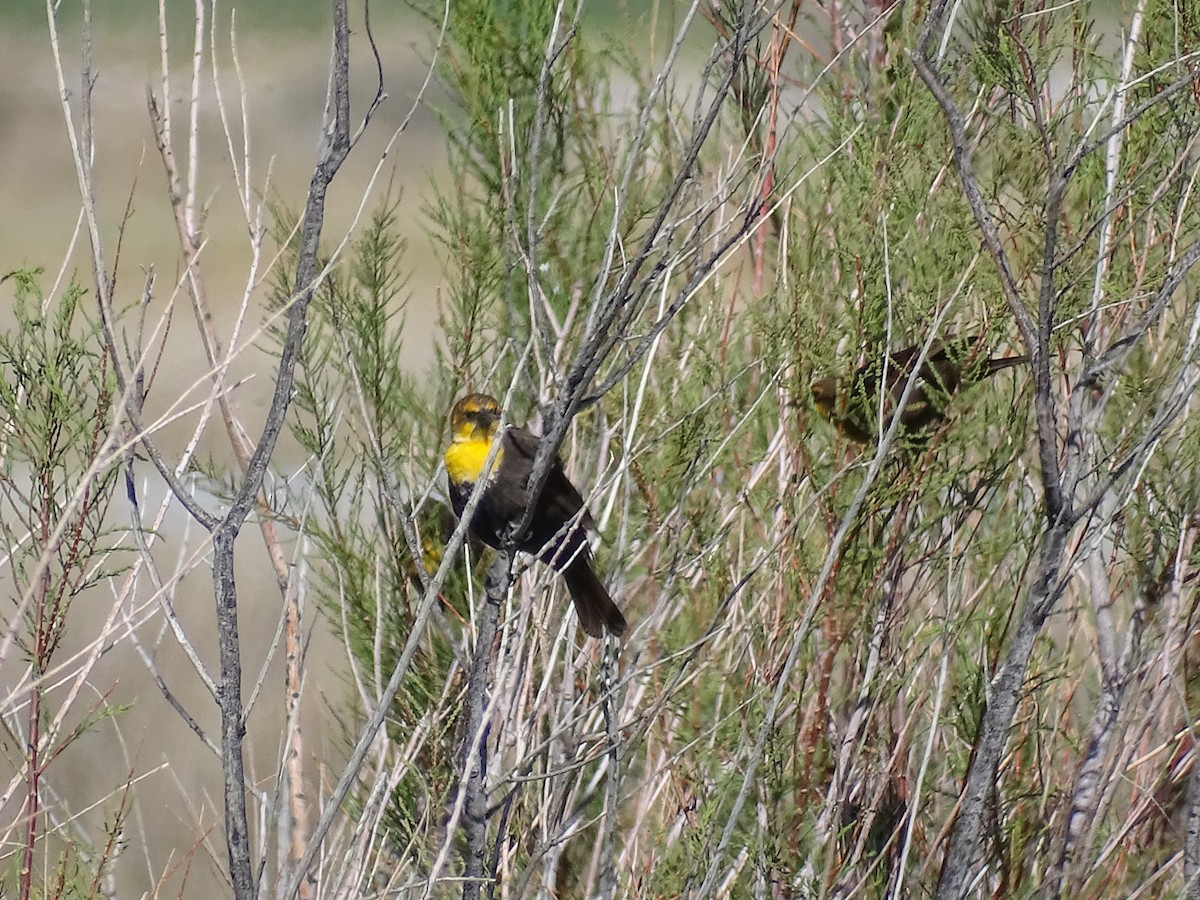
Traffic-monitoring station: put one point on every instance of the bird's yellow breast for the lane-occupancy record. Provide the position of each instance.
(465, 459)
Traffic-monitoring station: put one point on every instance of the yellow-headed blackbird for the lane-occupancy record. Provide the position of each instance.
(853, 404)
(556, 529)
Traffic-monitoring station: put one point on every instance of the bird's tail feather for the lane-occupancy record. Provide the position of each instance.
(594, 606)
(1007, 362)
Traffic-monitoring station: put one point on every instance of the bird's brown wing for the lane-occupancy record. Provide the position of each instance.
(903, 360)
(938, 376)
(560, 500)
(523, 441)
(941, 357)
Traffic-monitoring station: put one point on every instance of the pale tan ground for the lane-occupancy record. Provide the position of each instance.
(39, 207)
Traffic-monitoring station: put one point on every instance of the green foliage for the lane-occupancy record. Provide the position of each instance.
(56, 394)
(536, 154)
(58, 477)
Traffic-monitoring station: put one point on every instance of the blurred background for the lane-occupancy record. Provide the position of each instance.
(283, 50)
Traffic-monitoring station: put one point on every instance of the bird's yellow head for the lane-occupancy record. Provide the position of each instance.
(473, 424)
(474, 418)
(824, 395)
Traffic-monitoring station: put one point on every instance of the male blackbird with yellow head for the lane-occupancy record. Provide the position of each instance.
(557, 529)
(853, 403)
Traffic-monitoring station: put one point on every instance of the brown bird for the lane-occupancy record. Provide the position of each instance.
(557, 529)
(854, 406)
